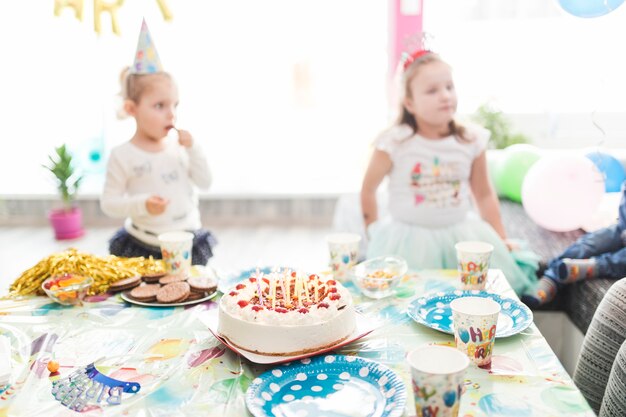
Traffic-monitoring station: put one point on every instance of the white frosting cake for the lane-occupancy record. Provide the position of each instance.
(285, 313)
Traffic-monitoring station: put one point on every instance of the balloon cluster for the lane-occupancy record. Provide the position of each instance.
(559, 193)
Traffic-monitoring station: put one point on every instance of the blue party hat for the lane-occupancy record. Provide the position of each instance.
(146, 58)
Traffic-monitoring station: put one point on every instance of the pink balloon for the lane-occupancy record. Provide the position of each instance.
(562, 193)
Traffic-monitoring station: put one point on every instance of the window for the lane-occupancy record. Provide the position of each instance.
(284, 95)
(557, 75)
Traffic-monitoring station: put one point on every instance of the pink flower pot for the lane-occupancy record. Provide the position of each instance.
(67, 224)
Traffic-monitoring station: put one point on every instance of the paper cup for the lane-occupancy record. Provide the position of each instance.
(344, 251)
(437, 374)
(473, 263)
(176, 250)
(474, 320)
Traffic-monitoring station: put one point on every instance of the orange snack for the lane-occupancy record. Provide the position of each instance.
(53, 366)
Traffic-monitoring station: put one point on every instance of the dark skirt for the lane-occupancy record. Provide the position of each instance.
(127, 246)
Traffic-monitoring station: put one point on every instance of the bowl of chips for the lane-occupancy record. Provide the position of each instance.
(67, 289)
(377, 277)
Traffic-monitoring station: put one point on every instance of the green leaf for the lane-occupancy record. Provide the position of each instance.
(497, 123)
(61, 166)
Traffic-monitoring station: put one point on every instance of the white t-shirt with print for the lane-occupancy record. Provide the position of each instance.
(133, 175)
(429, 180)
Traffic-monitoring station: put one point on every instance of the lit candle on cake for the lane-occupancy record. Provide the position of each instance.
(297, 289)
(305, 287)
(259, 276)
(285, 293)
(316, 288)
(273, 289)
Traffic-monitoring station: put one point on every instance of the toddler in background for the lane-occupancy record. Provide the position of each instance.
(151, 179)
(598, 254)
(436, 167)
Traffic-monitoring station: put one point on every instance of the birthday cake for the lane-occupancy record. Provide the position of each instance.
(286, 313)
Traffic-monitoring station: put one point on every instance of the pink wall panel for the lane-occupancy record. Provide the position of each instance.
(405, 23)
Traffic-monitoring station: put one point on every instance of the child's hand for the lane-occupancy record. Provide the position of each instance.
(512, 245)
(185, 138)
(156, 205)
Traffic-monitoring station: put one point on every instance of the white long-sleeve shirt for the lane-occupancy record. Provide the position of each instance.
(133, 175)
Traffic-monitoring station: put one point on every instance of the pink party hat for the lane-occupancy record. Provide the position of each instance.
(146, 58)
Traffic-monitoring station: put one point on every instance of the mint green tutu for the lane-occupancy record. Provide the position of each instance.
(433, 248)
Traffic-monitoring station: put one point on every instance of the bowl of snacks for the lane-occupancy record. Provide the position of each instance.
(377, 277)
(67, 289)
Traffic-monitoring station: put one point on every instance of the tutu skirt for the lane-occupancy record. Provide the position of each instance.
(433, 248)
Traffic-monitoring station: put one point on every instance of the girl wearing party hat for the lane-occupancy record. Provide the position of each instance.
(151, 180)
(436, 168)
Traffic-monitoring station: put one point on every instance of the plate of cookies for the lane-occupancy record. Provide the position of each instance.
(168, 290)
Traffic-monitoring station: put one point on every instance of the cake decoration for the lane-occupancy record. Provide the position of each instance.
(286, 312)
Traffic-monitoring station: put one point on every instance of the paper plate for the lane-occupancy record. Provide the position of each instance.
(196, 271)
(128, 299)
(328, 385)
(434, 311)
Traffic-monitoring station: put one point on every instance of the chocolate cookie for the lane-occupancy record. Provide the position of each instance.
(145, 293)
(125, 284)
(153, 278)
(168, 279)
(202, 284)
(193, 296)
(173, 293)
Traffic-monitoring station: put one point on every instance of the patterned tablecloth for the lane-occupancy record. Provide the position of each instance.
(183, 370)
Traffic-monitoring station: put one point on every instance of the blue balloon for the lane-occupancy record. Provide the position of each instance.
(611, 168)
(590, 8)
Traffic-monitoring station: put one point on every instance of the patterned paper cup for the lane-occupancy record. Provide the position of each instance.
(473, 263)
(176, 250)
(437, 374)
(344, 251)
(474, 320)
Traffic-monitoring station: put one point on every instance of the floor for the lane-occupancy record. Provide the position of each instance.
(238, 248)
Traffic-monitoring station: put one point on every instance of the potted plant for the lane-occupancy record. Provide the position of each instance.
(66, 221)
(495, 121)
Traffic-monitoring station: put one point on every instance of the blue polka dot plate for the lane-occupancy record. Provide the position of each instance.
(328, 385)
(434, 311)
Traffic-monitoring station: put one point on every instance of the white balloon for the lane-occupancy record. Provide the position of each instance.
(560, 193)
